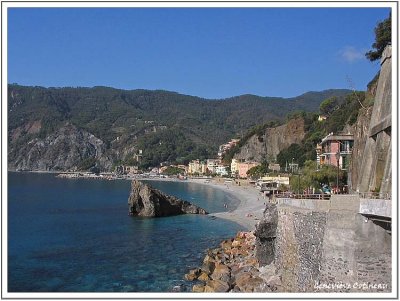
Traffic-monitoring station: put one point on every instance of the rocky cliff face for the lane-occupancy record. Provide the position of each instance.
(372, 152)
(361, 131)
(64, 149)
(273, 140)
(147, 201)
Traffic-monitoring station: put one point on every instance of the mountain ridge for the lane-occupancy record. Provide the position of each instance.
(181, 93)
(129, 120)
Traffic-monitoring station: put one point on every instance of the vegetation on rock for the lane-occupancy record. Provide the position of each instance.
(343, 111)
(383, 37)
(258, 171)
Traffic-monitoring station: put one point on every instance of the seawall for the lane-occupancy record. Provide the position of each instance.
(330, 247)
(306, 245)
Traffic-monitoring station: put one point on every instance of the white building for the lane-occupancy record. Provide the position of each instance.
(212, 165)
(221, 170)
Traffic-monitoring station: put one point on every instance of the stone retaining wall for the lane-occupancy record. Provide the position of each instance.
(298, 248)
(335, 250)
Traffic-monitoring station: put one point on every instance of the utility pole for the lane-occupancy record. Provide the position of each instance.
(337, 176)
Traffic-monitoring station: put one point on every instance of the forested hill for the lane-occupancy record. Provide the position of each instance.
(167, 126)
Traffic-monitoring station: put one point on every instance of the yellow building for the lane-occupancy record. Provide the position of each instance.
(234, 166)
(197, 166)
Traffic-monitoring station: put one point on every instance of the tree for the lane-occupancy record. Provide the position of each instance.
(313, 178)
(257, 172)
(87, 163)
(329, 105)
(294, 153)
(383, 34)
(173, 170)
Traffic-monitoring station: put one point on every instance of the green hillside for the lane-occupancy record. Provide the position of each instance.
(167, 126)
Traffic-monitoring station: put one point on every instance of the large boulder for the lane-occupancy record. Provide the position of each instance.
(266, 234)
(147, 201)
(216, 286)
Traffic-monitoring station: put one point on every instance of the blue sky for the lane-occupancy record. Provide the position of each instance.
(207, 52)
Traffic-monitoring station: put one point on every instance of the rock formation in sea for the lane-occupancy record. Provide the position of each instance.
(149, 202)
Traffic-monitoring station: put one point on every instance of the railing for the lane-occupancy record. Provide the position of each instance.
(375, 195)
(305, 196)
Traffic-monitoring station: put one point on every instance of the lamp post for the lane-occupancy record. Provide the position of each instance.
(337, 176)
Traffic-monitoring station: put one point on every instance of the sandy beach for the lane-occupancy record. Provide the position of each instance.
(251, 202)
(250, 208)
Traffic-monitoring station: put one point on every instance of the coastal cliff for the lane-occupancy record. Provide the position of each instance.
(372, 153)
(65, 149)
(272, 141)
(149, 202)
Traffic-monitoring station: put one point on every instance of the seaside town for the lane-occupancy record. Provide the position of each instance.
(309, 228)
(129, 190)
(334, 150)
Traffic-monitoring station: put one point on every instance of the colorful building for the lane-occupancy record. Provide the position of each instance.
(335, 149)
(234, 166)
(243, 168)
(212, 165)
(227, 146)
(221, 170)
(197, 167)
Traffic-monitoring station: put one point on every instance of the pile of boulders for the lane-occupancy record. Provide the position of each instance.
(233, 267)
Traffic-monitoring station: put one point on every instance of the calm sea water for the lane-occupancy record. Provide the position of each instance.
(70, 235)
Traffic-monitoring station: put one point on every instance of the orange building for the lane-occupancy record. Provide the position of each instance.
(243, 168)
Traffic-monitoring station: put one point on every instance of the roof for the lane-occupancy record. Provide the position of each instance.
(337, 137)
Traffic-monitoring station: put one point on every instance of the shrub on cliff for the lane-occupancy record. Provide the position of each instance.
(383, 37)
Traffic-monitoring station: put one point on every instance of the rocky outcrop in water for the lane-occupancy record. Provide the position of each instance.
(147, 201)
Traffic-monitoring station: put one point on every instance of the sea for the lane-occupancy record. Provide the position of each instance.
(75, 235)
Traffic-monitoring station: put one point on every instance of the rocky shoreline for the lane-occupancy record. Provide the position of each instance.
(234, 267)
(244, 263)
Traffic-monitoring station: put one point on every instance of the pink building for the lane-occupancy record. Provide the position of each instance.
(243, 167)
(335, 149)
(225, 147)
